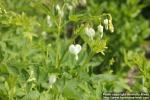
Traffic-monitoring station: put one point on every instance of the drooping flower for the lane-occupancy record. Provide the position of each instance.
(59, 10)
(90, 32)
(57, 7)
(52, 79)
(106, 22)
(70, 7)
(75, 49)
(100, 29)
(111, 27)
(49, 21)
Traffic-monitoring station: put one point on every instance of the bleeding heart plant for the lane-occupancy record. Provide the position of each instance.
(65, 49)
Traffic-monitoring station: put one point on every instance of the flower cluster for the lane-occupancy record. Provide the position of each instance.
(108, 25)
(90, 32)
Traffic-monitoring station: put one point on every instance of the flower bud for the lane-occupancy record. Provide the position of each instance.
(57, 7)
(111, 27)
(60, 11)
(100, 29)
(106, 23)
(52, 79)
(49, 22)
(70, 7)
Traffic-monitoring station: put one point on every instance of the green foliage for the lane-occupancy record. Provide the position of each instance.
(35, 36)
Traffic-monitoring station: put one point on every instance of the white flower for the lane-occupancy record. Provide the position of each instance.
(57, 7)
(60, 11)
(111, 27)
(52, 79)
(70, 7)
(106, 22)
(49, 22)
(100, 29)
(44, 34)
(75, 49)
(90, 32)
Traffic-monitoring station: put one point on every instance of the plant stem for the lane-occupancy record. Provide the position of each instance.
(86, 61)
(58, 39)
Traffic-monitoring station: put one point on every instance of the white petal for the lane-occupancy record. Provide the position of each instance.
(58, 7)
(106, 21)
(78, 48)
(90, 32)
(100, 28)
(72, 49)
(52, 79)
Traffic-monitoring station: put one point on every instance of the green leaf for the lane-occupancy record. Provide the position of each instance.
(33, 95)
(70, 90)
(45, 96)
(13, 70)
(75, 18)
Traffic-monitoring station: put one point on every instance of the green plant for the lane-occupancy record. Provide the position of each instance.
(71, 49)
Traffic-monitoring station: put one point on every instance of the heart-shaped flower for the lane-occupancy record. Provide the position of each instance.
(52, 79)
(90, 32)
(75, 49)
